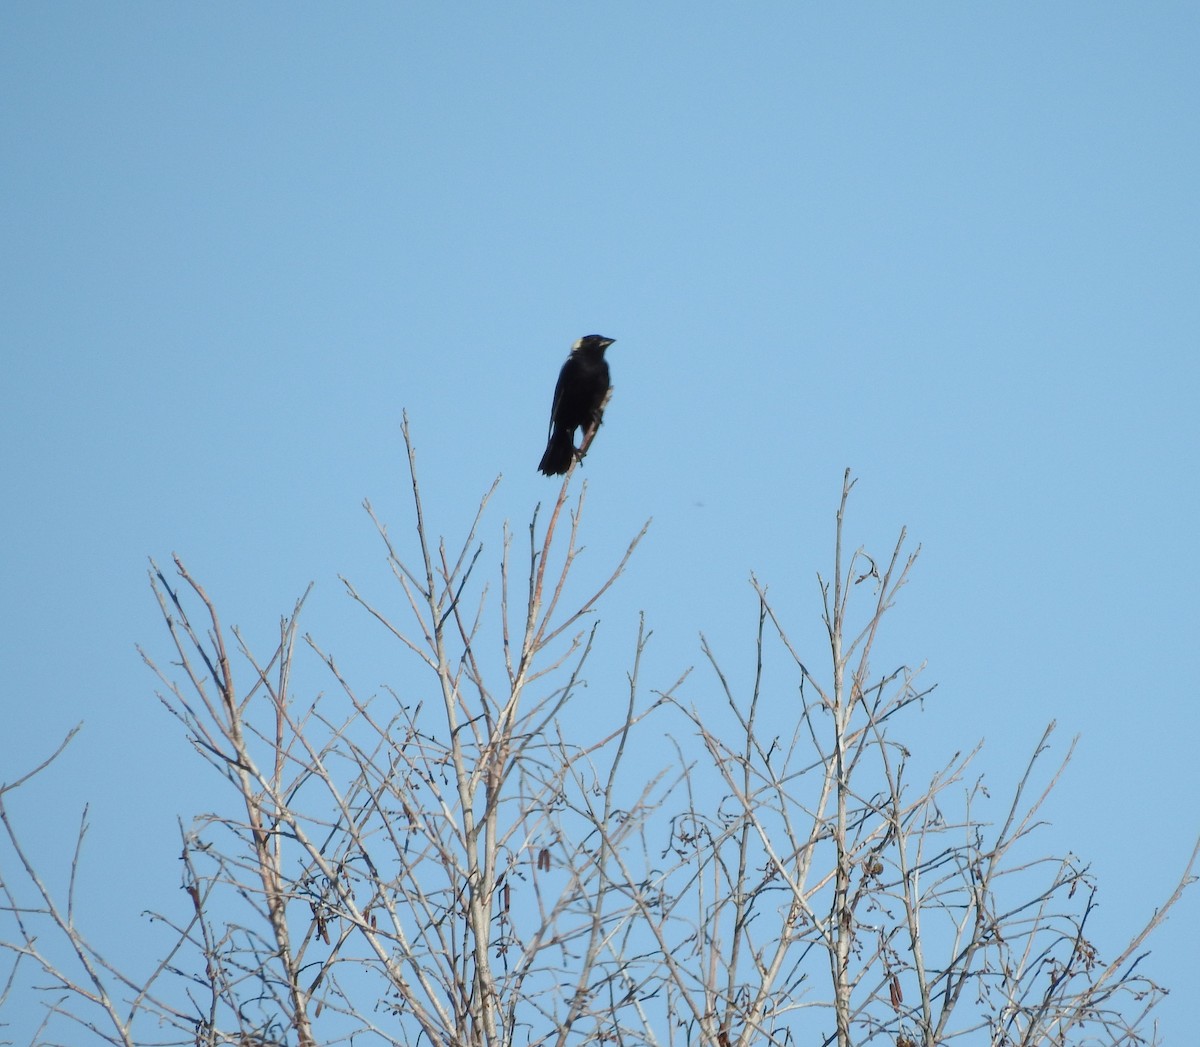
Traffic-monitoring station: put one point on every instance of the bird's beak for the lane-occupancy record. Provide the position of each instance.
(608, 342)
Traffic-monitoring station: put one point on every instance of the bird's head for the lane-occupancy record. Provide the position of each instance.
(592, 342)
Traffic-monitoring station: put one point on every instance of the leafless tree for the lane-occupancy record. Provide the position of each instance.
(824, 897)
(449, 863)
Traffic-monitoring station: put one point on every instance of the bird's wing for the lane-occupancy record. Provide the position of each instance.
(558, 393)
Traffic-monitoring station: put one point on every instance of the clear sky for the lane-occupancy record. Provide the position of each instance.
(953, 246)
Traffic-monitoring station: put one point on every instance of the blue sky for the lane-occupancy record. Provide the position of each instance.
(954, 247)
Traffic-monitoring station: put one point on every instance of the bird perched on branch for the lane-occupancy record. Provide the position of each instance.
(579, 399)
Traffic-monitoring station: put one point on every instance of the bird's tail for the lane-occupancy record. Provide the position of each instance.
(560, 451)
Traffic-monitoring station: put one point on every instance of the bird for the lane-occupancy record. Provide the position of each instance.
(578, 401)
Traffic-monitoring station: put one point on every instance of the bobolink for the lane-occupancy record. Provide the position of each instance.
(578, 401)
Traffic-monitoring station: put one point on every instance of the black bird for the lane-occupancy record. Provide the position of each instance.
(578, 401)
